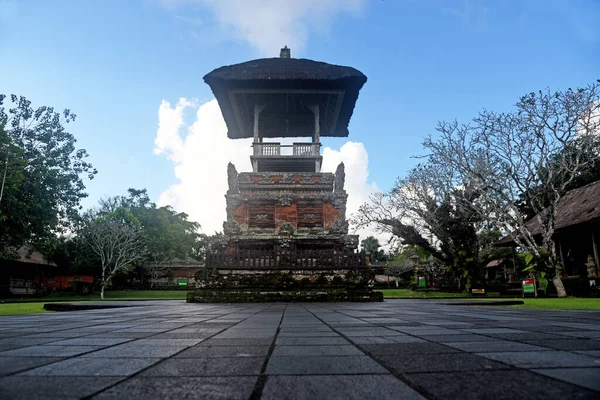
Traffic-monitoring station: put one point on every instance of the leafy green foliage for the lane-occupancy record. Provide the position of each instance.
(539, 267)
(43, 184)
(372, 247)
(168, 235)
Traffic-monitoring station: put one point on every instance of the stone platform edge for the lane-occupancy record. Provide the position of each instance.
(206, 295)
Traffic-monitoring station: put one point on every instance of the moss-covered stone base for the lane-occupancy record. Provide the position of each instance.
(242, 286)
(205, 295)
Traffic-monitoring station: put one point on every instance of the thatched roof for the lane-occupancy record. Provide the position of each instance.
(291, 70)
(263, 81)
(27, 256)
(578, 206)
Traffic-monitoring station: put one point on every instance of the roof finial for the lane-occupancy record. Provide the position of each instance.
(285, 53)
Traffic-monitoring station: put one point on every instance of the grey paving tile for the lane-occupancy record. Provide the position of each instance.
(323, 328)
(164, 342)
(568, 344)
(85, 341)
(119, 335)
(407, 348)
(182, 388)
(543, 359)
(437, 362)
(247, 333)
(428, 331)
(494, 346)
(591, 353)
(383, 320)
(457, 324)
(314, 341)
(59, 334)
(17, 342)
(385, 339)
(335, 387)
(585, 377)
(375, 331)
(10, 365)
(181, 336)
(459, 338)
(487, 331)
(525, 336)
(583, 334)
(126, 351)
(80, 366)
(309, 334)
(316, 351)
(497, 385)
(213, 366)
(237, 342)
(224, 351)
(35, 387)
(323, 365)
(579, 325)
(49, 351)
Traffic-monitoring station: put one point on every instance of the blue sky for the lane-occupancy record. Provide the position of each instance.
(113, 62)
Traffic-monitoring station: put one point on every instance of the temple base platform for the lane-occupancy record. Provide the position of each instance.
(226, 286)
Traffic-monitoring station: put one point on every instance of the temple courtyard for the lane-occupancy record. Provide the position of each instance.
(404, 349)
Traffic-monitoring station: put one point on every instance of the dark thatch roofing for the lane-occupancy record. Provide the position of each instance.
(26, 255)
(288, 69)
(578, 206)
(283, 74)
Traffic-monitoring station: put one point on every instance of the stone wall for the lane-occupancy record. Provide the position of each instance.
(268, 203)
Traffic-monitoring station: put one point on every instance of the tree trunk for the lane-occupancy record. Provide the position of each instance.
(560, 288)
(102, 285)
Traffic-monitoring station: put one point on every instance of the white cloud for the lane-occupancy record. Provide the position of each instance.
(268, 25)
(356, 162)
(200, 154)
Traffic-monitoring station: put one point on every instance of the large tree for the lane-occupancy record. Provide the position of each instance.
(421, 210)
(532, 154)
(42, 174)
(167, 235)
(117, 241)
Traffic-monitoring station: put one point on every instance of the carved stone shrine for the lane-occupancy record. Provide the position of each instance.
(286, 230)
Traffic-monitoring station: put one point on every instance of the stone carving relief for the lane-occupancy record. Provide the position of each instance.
(232, 179)
(340, 227)
(231, 228)
(286, 230)
(340, 178)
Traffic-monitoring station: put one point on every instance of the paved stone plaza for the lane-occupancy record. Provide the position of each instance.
(403, 349)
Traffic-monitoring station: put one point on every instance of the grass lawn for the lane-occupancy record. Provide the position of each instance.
(21, 308)
(569, 303)
(108, 295)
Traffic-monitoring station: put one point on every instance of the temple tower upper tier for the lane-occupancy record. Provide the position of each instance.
(286, 98)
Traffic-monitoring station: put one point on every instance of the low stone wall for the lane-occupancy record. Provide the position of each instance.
(294, 295)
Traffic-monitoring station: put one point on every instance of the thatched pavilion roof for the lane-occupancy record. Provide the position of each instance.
(286, 86)
(578, 206)
(26, 255)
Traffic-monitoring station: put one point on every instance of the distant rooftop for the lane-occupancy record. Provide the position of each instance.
(577, 206)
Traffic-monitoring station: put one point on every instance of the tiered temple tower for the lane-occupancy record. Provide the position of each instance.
(286, 229)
